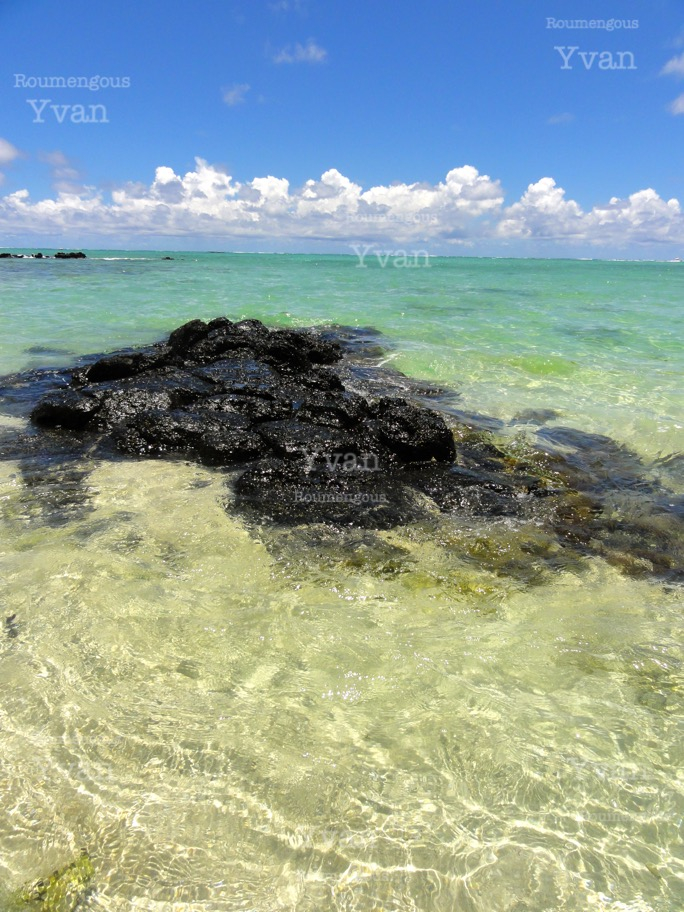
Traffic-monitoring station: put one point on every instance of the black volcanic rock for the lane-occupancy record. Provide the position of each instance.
(227, 393)
(310, 429)
(117, 367)
(217, 438)
(66, 408)
(187, 334)
(345, 410)
(412, 434)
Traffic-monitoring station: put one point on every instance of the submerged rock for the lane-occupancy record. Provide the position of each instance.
(312, 430)
(63, 891)
(11, 626)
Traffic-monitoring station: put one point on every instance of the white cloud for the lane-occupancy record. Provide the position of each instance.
(677, 106)
(674, 67)
(56, 159)
(208, 202)
(286, 6)
(271, 188)
(301, 53)
(466, 208)
(235, 95)
(564, 118)
(644, 217)
(8, 152)
(65, 175)
(542, 212)
(464, 194)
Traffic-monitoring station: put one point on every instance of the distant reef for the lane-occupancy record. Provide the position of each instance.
(60, 255)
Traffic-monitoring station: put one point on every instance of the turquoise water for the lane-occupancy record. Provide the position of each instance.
(227, 721)
(599, 341)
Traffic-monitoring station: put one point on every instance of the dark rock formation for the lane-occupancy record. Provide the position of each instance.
(309, 429)
(11, 626)
(39, 256)
(231, 393)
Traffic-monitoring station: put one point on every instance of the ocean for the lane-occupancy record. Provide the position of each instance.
(226, 721)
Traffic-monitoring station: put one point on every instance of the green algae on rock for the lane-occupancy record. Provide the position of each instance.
(62, 891)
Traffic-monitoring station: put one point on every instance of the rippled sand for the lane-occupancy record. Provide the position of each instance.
(227, 720)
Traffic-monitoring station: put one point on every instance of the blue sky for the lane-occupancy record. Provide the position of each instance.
(315, 124)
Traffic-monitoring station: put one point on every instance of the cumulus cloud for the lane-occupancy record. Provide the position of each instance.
(301, 53)
(544, 213)
(209, 202)
(465, 208)
(235, 94)
(644, 217)
(674, 67)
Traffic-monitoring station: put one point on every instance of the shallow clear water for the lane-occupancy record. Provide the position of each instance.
(228, 721)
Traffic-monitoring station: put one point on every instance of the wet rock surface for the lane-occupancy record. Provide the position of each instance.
(310, 429)
(230, 394)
